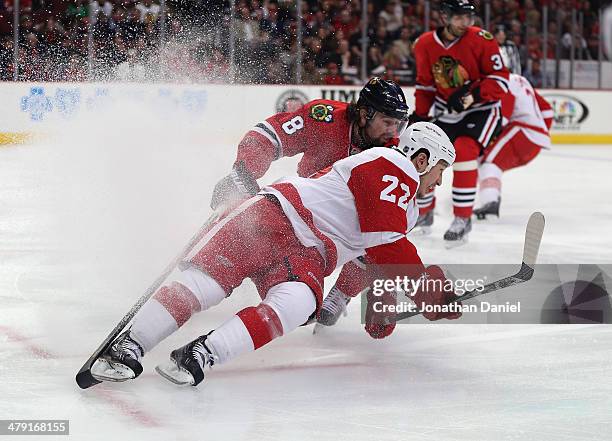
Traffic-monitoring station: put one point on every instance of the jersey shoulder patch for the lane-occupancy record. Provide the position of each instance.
(485, 34)
(322, 112)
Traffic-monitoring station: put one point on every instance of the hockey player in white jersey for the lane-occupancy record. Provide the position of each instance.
(527, 118)
(286, 239)
(353, 279)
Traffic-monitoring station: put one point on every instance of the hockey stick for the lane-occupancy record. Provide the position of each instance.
(84, 378)
(533, 237)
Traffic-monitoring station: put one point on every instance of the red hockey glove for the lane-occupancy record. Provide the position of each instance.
(434, 293)
(375, 316)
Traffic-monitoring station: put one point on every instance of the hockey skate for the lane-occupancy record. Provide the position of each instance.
(187, 364)
(424, 223)
(120, 362)
(457, 233)
(334, 305)
(487, 209)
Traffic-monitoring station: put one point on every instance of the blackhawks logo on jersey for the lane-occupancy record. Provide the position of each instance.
(485, 34)
(322, 113)
(449, 73)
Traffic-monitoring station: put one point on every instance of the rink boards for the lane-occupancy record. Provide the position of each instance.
(223, 113)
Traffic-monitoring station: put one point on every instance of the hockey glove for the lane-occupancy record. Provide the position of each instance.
(237, 185)
(437, 291)
(461, 99)
(375, 315)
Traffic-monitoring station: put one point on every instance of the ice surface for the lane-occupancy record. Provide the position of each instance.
(84, 230)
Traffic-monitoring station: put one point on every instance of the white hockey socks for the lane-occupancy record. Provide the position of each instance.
(490, 183)
(286, 306)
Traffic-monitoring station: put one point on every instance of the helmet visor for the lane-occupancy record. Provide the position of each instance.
(387, 127)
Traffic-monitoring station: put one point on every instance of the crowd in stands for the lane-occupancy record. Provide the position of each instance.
(76, 40)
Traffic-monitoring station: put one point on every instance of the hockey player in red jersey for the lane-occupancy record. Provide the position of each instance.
(460, 79)
(287, 238)
(323, 130)
(527, 119)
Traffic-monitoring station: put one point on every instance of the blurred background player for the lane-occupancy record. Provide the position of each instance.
(286, 239)
(461, 77)
(527, 119)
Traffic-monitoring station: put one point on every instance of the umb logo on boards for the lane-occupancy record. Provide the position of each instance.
(570, 112)
(345, 95)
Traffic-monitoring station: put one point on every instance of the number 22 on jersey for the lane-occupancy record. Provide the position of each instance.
(385, 194)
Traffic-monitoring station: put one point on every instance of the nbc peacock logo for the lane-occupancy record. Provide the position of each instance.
(569, 111)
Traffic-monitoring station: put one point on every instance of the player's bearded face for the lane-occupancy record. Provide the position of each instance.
(457, 25)
(382, 129)
(432, 178)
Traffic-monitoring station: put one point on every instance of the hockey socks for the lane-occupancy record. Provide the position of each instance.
(287, 306)
(172, 305)
(490, 183)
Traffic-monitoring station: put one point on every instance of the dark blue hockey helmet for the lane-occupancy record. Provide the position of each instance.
(457, 7)
(384, 96)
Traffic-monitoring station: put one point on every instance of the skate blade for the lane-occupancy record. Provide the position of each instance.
(171, 372)
(106, 370)
(450, 244)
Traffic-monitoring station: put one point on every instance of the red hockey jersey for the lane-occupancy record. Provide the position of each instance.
(442, 69)
(320, 129)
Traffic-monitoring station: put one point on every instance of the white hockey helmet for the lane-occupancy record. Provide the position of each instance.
(428, 136)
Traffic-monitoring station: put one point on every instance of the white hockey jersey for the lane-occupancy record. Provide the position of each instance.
(363, 204)
(526, 111)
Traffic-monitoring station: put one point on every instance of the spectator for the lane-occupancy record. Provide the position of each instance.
(392, 16)
(375, 63)
(333, 76)
(310, 74)
(77, 11)
(146, 8)
(509, 51)
(534, 74)
(381, 39)
(580, 46)
(97, 6)
(347, 63)
(346, 22)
